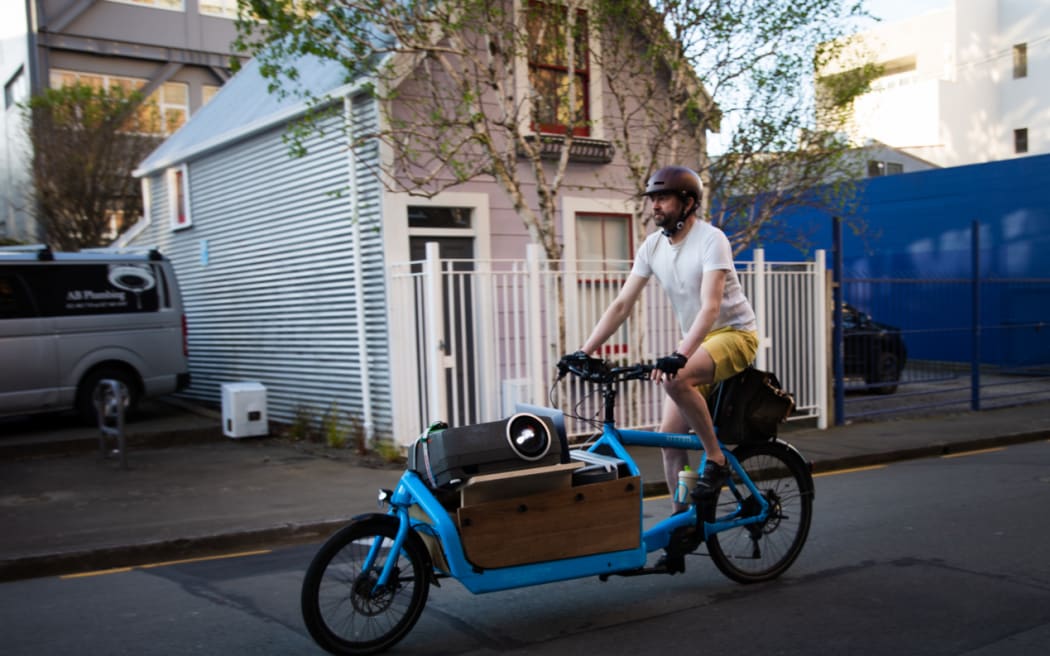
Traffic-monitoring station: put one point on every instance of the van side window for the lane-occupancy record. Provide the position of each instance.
(14, 302)
(79, 289)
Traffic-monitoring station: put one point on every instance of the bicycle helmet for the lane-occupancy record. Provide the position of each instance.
(679, 180)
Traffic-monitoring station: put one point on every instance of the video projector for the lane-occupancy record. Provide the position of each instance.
(449, 457)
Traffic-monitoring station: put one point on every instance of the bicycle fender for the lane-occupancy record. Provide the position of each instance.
(807, 466)
(373, 515)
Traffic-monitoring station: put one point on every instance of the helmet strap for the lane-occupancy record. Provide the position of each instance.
(670, 232)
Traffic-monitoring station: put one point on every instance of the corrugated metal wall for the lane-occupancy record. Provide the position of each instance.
(268, 274)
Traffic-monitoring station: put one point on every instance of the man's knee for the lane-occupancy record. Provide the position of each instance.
(681, 387)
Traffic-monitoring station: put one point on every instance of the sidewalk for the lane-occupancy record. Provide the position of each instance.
(190, 491)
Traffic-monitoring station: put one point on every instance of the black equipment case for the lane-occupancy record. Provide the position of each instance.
(449, 457)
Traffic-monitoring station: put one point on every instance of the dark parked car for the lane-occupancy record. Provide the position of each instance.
(873, 351)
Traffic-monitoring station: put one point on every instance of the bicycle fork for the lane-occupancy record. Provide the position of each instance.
(390, 566)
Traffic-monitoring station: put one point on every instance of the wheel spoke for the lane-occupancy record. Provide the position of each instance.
(761, 551)
(345, 608)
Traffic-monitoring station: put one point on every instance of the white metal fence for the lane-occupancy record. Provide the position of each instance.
(485, 335)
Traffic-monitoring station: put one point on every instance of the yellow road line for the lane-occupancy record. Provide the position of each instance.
(974, 453)
(121, 570)
(100, 572)
(205, 558)
(849, 471)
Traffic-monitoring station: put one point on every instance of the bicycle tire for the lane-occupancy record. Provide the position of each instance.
(761, 552)
(339, 609)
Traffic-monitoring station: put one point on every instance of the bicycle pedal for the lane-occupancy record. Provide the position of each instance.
(670, 564)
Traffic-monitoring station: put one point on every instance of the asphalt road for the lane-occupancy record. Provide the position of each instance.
(935, 556)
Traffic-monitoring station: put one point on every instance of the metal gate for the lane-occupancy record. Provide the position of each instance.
(520, 316)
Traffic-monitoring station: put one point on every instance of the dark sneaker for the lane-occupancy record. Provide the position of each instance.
(671, 563)
(711, 481)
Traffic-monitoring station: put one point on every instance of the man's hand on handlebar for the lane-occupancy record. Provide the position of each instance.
(597, 370)
(670, 364)
(578, 361)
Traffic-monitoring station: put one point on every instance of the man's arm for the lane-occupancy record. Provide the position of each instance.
(615, 314)
(711, 290)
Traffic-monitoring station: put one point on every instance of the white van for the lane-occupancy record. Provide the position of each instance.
(69, 320)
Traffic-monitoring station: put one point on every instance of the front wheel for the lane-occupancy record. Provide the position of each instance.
(344, 608)
(764, 550)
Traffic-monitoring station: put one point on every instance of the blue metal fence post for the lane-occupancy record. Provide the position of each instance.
(836, 335)
(975, 364)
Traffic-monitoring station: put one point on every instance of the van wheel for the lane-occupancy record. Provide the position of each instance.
(86, 392)
(887, 370)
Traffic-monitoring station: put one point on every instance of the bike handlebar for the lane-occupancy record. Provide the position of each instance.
(596, 370)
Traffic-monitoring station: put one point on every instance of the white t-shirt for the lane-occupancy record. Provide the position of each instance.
(680, 269)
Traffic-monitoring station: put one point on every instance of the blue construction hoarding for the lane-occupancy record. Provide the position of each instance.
(909, 260)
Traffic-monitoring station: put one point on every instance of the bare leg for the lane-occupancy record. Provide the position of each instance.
(691, 405)
(673, 459)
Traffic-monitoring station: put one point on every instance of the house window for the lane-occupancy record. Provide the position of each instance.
(175, 5)
(173, 101)
(877, 168)
(1020, 60)
(549, 74)
(208, 92)
(179, 198)
(223, 8)
(439, 217)
(162, 113)
(1021, 140)
(603, 254)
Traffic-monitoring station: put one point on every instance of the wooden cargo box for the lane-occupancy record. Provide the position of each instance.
(562, 522)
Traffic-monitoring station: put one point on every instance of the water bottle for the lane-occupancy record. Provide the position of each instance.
(686, 482)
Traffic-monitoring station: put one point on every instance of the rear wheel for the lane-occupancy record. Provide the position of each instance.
(344, 609)
(764, 550)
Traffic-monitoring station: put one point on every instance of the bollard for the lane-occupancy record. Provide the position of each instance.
(111, 397)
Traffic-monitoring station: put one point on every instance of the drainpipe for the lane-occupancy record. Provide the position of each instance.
(359, 276)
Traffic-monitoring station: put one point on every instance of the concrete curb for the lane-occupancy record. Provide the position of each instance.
(932, 450)
(154, 554)
(134, 440)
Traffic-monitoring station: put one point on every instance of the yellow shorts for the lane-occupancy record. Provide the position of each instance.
(732, 350)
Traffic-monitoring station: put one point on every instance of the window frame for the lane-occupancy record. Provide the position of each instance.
(1020, 141)
(152, 4)
(226, 9)
(878, 168)
(178, 183)
(136, 83)
(612, 347)
(583, 72)
(1020, 54)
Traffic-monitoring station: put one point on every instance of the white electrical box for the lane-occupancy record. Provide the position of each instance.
(244, 410)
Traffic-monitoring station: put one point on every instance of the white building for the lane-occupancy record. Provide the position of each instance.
(962, 85)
